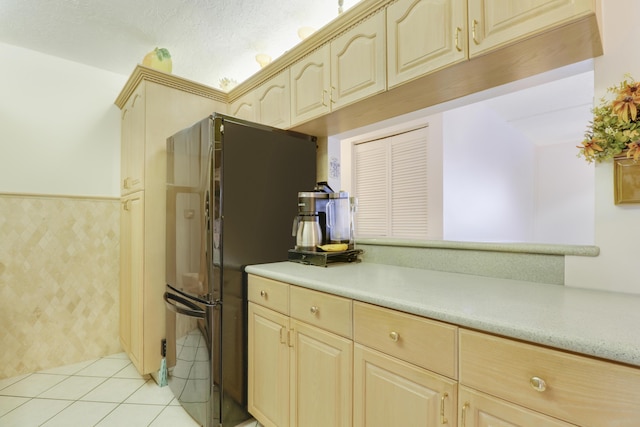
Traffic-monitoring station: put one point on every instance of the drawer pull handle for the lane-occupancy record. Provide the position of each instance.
(443, 420)
(314, 309)
(538, 384)
(263, 294)
(394, 336)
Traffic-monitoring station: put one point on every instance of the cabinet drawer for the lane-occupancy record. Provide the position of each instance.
(574, 388)
(325, 311)
(269, 293)
(423, 342)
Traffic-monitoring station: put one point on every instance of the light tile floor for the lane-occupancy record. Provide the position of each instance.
(103, 392)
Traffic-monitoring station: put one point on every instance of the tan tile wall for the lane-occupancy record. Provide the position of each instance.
(59, 281)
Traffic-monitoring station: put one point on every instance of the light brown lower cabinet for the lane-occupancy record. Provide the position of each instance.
(321, 379)
(576, 389)
(300, 375)
(390, 392)
(320, 360)
(268, 366)
(481, 410)
(131, 276)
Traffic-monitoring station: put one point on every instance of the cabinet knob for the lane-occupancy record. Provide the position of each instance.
(538, 384)
(263, 294)
(314, 309)
(394, 336)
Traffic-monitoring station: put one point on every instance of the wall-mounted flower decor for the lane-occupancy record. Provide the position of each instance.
(615, 126)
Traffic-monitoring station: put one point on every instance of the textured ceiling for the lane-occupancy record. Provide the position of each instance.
(208, 39)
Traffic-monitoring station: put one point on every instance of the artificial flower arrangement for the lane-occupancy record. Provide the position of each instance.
(615, 126)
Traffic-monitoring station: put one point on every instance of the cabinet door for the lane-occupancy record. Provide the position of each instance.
(321, 377)
(310, 85)
(493, 23)
(391, 392)
(272, 101)
(423, 36)
(268, 366)
(132, 142)
(244, 107)
(481, 410)
(358, 62)
(132, 275)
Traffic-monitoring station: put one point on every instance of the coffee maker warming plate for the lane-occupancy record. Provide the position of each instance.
(321, 259)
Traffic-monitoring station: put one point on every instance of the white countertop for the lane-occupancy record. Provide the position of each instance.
(597, 323)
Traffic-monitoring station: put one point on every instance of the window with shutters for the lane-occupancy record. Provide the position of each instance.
(390, 179)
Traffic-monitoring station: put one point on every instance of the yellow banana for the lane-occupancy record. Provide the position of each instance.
(334, 247)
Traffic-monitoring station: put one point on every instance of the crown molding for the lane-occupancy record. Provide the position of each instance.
(141, 73)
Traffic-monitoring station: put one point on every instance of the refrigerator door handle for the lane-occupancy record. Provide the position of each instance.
(193, 310)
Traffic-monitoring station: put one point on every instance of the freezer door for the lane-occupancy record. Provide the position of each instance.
(193, 355)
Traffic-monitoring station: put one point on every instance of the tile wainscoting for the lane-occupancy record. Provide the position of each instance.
(59, 280)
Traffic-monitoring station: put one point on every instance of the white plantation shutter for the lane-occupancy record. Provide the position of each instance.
(409, 185)
(371, 171)
(390, 181)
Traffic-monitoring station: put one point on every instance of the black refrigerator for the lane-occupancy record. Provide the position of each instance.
(232, 191)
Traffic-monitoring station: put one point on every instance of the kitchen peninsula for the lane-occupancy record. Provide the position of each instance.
(531, 353)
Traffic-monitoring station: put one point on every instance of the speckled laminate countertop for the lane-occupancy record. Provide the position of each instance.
(596, 323)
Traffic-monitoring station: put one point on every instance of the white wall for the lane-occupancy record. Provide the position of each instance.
(488, 178)
(617, 228)
(59, 127)
(498, 187)
(564, 196)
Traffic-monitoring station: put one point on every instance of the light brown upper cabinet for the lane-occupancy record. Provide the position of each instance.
(132, 148)
(244, 107)
(358, 62)
(272, 101)
(310, 86)
(423, 36)
(493, 23)
(339, 73)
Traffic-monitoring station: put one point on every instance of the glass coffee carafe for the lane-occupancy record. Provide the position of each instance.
(339, 219)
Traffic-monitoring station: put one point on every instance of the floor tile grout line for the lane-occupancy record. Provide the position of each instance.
(23, 403)
(16, 382)
(57, 413)
(146, 379)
